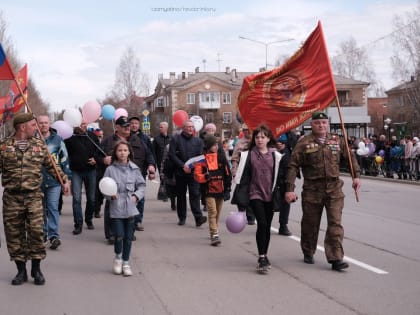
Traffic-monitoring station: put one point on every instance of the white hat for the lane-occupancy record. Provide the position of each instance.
(416, 139)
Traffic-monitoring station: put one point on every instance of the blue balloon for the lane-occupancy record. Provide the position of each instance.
(381, 153)
(108, 112)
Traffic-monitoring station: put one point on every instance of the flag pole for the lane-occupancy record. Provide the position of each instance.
(346, 143)
(60, 179)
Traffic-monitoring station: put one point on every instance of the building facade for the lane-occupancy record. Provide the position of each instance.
(213, 96)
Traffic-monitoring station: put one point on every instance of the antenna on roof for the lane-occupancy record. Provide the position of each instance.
(218, 59)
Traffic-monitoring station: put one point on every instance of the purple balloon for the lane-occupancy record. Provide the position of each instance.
(381, 153)
(236, 222)
(64, 130)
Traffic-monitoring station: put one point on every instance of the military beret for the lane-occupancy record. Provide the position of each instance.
(21, 118)
(319, 115)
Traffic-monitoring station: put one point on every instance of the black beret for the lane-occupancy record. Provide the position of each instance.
(21, 118)
(122, 121)
(319, 115)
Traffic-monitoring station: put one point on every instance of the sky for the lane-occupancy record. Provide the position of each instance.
(73, 48)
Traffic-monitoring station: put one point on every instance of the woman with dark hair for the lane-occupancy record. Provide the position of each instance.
(256, 179)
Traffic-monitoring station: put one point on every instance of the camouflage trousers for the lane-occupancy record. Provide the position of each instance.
(315, 196)
(23, 225)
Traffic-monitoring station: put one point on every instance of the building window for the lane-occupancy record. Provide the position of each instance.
(160, 102)
(209, 100)
(227, 117)
(208, 118)
(226, 99)
(343, 98)
(190, 98)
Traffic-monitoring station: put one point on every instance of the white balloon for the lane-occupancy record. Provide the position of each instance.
(198, 122)
(64, 130)
(108, 186)
(362, 145)
(73, 116)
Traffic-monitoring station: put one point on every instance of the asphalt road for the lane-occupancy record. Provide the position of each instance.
(176, 271)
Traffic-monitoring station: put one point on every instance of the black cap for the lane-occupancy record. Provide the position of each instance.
(122, 121)
(134, 117)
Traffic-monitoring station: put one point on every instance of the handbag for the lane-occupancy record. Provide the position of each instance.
(162, 195)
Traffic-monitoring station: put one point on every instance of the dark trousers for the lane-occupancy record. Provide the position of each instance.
(284, 212)
(263, 212)
(123, 236)
(315, 196)
(182, 184)
(108, 227)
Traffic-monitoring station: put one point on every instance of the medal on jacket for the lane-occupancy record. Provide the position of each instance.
(311, 148)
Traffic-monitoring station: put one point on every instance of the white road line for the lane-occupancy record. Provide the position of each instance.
(346, 258)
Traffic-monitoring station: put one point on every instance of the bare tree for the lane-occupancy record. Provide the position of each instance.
(353, 62)
(130, 81)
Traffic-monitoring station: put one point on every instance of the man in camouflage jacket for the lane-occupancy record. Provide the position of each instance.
(22, 157)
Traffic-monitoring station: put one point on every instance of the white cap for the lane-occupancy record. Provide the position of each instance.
(416, 139)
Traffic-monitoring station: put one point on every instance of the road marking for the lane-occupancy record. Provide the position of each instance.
(346, 258)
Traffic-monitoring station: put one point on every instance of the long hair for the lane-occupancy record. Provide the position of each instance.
(265, 131)
(114, 150)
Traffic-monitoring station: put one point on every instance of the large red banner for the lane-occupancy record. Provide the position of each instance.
(285, 97)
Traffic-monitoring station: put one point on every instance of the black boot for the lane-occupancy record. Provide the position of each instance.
(284, 230)
(21, 276)
(36, 272)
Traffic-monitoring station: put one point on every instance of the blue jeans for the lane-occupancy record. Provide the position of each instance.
(124, 229)
(51, 214)
(139, 217)
(89, 179)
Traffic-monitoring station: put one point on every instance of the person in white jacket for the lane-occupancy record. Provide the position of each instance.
(414, 158)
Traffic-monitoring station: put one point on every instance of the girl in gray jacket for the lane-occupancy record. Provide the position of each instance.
(131, 187)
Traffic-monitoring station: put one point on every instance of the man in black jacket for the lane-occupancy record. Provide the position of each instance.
(84, 152)
(181, 148)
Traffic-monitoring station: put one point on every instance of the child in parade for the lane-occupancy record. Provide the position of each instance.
(215, 178)
(131, 188)
(256, 179)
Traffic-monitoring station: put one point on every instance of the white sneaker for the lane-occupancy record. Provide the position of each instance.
(126, 270)
(117, 266)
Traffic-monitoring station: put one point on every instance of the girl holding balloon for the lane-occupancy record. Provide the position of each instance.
(130, 188)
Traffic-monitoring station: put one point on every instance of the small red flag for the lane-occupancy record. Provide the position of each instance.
(285, 97)
(13, 101)
(6, 72)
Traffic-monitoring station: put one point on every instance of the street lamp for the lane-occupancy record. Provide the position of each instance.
(387, 127)
(266, 44)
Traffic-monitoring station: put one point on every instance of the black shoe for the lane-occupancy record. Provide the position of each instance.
(38, 277)
(263, 265)
(307, 259)
(36, 272)
(111, 240)
(97, 215)
(22, 275)
(339, 265)
(284, 230)
(77, 230)
(54, 243)
(181, 222)
(139, 227)
(200, 221)
(251, 221)
(90, 225)
(133, 238)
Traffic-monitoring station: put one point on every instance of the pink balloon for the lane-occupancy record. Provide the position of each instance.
(120, 112)
(91, 111)
(64, 130)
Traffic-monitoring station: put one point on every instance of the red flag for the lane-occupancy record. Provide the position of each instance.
(6, 72)
(285, 97)
(13, 101)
